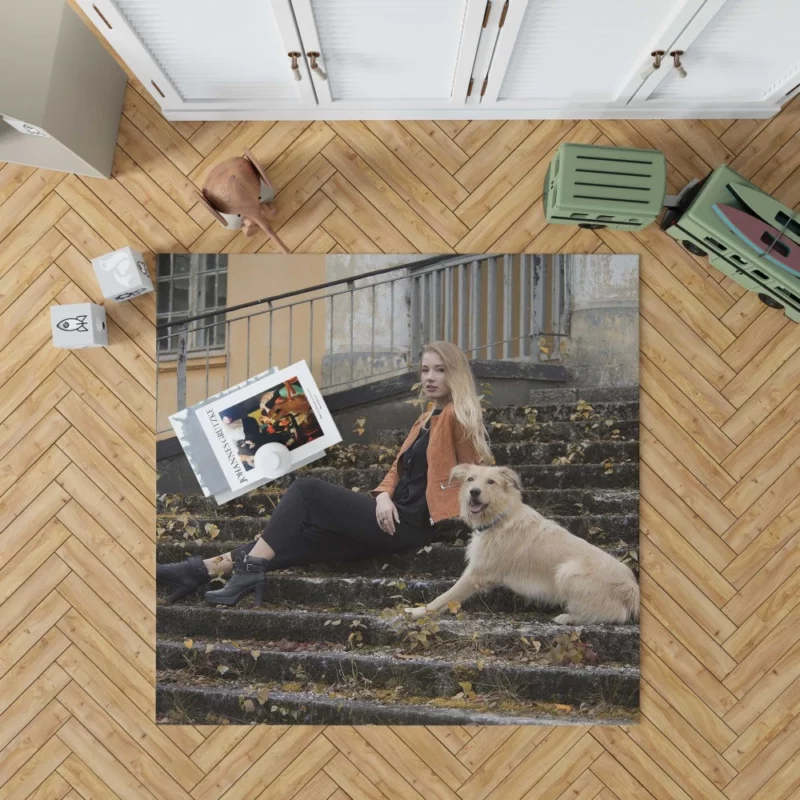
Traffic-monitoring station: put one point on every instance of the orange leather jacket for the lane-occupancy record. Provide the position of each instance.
(447, 447)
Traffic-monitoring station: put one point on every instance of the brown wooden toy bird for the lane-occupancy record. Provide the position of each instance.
(234, 194)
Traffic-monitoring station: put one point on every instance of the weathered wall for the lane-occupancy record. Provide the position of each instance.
(603, 346)
(380, 340)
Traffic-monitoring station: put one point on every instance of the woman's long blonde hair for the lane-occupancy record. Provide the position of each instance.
(466, 404)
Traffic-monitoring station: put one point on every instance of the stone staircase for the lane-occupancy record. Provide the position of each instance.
(329, 646)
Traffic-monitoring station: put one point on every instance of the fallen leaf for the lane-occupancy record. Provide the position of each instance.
(188, 643)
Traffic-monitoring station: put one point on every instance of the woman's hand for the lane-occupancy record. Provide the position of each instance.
(386, 513)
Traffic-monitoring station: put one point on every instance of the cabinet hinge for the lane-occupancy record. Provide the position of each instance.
(469, 88)
(503, 15)
(485, 83)
(486, 13)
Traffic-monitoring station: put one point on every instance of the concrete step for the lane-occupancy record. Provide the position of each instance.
(590, 394)
(563, 412)
(501, 432)
(552, 476)
(474, 632)
(209, 701)
(550, 502)
(439, 559)
(295, 588)
(419, 675)
(511, 454)
(599, 529)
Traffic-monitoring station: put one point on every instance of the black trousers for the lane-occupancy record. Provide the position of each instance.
(319, 521)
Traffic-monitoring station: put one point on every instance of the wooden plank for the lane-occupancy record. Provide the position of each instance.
(344, 231)
(25, 199)
(664, 720)
(144, 189)
(30, 267)
(153, 162)
(758, 552)
(32, 302)
(687, 415)
(385, 164)
(676, 511)
(691, 635)
(766, 398)
(104, 403)
(664, 681)
(30, 703)
(385, 200)
(105, 767)
(438, 144)
(31, 738)
(761, 696)
(160, 132)
(686, 557)
(703, 480)
(417, 159)
(536, 150)
(682, 337)
(691, 382)
(378, 231)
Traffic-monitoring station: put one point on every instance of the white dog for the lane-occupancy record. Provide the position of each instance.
(514, 546)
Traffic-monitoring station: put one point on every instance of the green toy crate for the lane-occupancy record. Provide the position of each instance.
(696, 225)
(605, 187)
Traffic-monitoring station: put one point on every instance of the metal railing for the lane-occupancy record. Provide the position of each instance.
(370, 326)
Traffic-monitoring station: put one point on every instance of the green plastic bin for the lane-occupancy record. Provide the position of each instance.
(605, 187)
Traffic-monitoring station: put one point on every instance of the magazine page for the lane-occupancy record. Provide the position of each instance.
(284, 407)
(197, 447)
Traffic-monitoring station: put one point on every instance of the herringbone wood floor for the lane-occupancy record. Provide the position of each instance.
(720, 471)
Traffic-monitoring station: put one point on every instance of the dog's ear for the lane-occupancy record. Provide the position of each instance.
(511, 478)
(459, 472)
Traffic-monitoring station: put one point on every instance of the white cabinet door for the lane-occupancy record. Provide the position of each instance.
(205, 54)
(390, 54)
(554, 54)
(737, 51)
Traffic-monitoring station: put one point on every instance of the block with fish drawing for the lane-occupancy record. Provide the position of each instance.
(79, 325)
(122, 274)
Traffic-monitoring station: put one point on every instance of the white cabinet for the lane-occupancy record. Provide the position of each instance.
(390, 54)
(739, 51)
(470, 59)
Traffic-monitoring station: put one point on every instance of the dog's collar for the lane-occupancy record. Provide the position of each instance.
(486, 527)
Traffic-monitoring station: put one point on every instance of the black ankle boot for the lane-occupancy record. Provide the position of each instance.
(186, 576)
(249, 575)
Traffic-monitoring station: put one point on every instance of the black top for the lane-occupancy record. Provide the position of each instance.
(409, 494)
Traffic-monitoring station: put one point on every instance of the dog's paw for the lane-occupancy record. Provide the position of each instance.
(416, 613)
(564, 619)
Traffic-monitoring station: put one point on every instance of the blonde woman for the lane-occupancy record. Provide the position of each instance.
(317, 521)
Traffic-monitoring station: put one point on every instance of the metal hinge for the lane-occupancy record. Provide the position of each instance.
(469, 88)
(503, 15)
(486, 13)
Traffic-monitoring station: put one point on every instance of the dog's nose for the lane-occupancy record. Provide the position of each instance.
(474, 492)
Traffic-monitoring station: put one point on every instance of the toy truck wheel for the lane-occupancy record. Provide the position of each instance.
(693, 248)
(590, 225)
(769, 301)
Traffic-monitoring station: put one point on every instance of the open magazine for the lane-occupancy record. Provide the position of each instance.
(227, 437)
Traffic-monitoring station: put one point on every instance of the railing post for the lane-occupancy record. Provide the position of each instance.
(474, 292)
(462, 306)
(416, 319)
(491, 311)
(537, 304)
(183, 335)
(508, 278)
